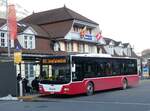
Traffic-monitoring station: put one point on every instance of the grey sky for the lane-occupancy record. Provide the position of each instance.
(121, 20)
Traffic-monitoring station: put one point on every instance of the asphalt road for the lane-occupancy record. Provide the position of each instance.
(132, 99)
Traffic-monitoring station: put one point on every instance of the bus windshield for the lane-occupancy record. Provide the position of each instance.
(60, 74)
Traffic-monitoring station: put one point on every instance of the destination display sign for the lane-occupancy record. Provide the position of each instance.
(54, 61)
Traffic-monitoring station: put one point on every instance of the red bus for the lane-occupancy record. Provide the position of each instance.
(87, 73)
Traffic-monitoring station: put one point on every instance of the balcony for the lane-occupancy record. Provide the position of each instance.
(76, 36)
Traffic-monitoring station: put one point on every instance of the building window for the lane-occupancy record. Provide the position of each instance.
(2, 34)
(89, 31)
(111, 50)
(25, 42)
(69, 47)
(56, 46)
(2, 39)
(28, 42)
(128, 51)
(75, 29)
(91, 49)
(26, 70)
(81, 47)
(31, 70)
(2, 42)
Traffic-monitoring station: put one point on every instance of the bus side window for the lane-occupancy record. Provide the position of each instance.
(132, 68)
(125, 69)
(116, 68)
(108, 69)
(78, 75)
(100, 70)
(121, 68)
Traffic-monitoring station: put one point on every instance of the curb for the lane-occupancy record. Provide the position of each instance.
(28, 98)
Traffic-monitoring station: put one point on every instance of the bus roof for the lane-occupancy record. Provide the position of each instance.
(101, 55)
(92, 55)
(78, 55)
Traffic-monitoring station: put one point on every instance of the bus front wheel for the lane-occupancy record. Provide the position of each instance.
(89, 89)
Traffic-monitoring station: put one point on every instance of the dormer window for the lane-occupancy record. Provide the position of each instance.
(56, 46)
(75, 29)
(29, 42)
(89, 31)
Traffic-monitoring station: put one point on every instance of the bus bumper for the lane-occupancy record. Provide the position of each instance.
(64, 90)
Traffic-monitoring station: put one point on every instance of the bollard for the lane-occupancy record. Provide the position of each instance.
(20, 88)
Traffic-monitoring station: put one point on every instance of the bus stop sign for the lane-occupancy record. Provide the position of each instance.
(17, 57)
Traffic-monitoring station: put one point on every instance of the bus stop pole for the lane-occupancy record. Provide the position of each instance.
(20, 83)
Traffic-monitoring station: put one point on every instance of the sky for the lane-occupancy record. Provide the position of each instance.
(122, 20)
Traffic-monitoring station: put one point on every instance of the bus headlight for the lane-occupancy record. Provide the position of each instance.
(66, 89)
(40, 87)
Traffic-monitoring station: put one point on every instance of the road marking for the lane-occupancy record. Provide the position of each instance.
(103, 102)
(7, 102)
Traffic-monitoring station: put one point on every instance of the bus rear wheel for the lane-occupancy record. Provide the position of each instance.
(124, 84)
(90, 89)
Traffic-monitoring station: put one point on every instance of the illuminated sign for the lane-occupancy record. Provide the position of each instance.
(17, 57)
(54, 61)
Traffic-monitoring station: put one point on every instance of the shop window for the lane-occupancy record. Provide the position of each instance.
(29, 71)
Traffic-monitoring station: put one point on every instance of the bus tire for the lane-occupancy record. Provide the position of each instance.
(124, 84)
(89, 89)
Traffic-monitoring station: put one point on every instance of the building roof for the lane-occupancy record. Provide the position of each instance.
(117, 43)
(59, 29)
(115, 54)
(55, 15)
(40, 32)
(54, 23)
(108, 40)
(102, 48)
(126, 45)
(133, 54)
(23, 26)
